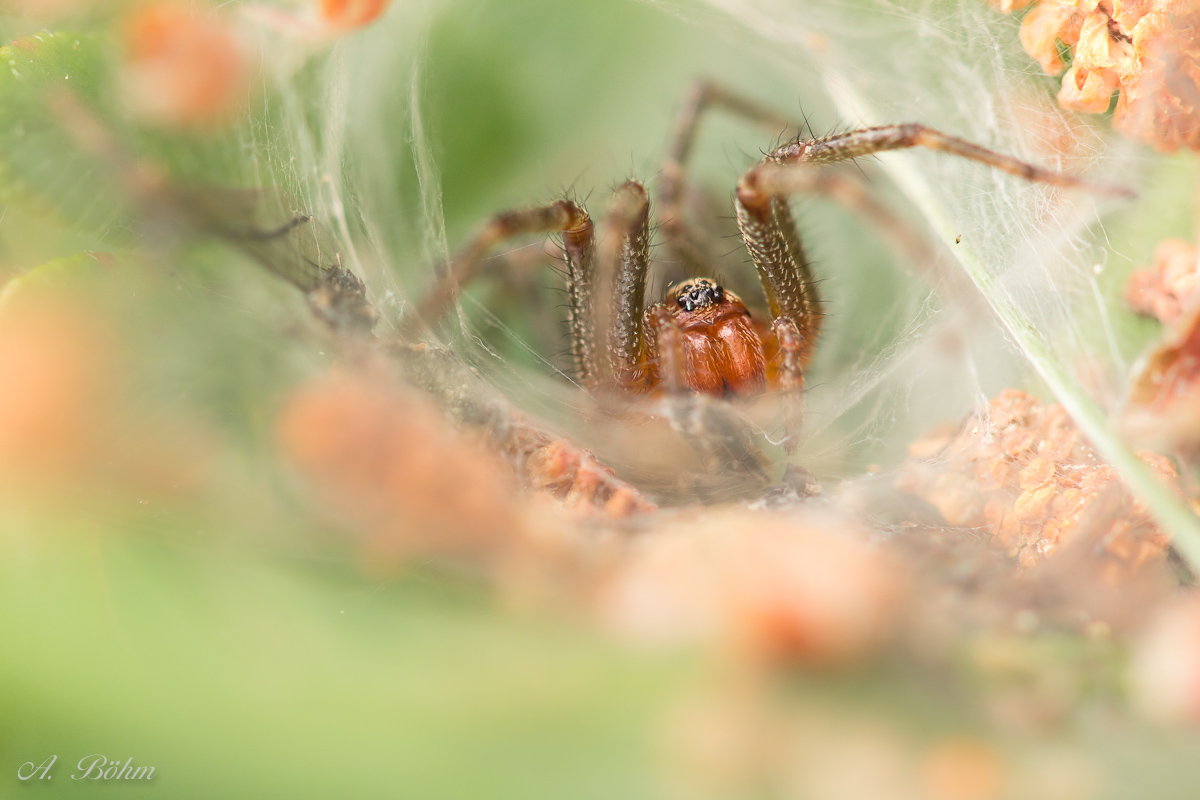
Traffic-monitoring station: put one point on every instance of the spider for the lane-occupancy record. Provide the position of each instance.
(701, 338)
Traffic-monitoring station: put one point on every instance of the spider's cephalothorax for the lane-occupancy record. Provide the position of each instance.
(701, 338)
(722, 346)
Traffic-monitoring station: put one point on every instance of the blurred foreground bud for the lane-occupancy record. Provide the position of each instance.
(963, 769)
(1008, 6)
(352, 13)
(389, 463)
(1160, 96)
(321, 20)
(1024, 472)
(183, 68)
(56, 389)
(68, 429)
(1165, 673)
(792, 587)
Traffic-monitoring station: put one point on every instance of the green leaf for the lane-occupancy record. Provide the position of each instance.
(43, 170)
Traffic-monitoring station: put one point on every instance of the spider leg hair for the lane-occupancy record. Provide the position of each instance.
(852, 193)
(624, 261)
(854, 144)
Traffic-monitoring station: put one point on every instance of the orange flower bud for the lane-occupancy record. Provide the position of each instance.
(1087, 90)
(1041, 31)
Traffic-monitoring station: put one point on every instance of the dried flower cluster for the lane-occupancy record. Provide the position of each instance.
(1148, 50)
(1168, 286)
(582, 482)
(1161, 411)
(1164, 399)
(1024, 473)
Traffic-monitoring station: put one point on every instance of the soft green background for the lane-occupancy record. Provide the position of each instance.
(231, 640)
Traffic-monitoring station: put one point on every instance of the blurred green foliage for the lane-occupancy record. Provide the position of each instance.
(229, 637)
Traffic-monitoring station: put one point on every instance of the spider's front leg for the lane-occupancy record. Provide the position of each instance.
(774, 243)
(625, 261)
(566, 217)
(783, 267)
(645, 347)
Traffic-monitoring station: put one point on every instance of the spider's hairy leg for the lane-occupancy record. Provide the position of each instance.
(702, 97)
(851, 192)
(625, 257)
(783, 267)
(791, 379)
(566, 217)
(770, 232)
(868, 141)
(665, 350)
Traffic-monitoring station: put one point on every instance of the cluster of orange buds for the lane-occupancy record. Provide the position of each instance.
(1164, 397)
(1023, 472)
(1148, 50)
(183, 67)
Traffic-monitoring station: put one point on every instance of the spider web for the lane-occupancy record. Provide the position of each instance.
(1031, 251)
(907, 346)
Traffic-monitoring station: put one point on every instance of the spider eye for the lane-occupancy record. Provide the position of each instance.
(699, 294)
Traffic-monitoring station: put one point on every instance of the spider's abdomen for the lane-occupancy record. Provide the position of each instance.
(722, 349)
